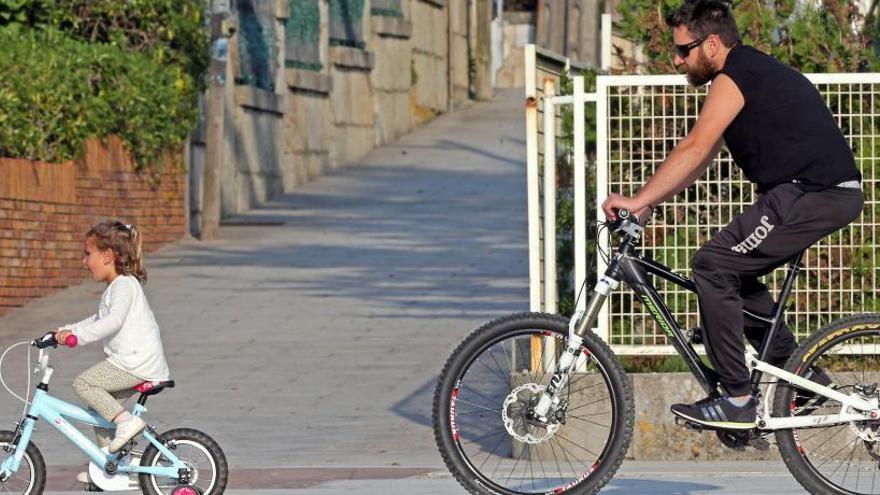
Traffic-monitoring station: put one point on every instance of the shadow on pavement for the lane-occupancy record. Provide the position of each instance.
(656, 487)
(416, 406)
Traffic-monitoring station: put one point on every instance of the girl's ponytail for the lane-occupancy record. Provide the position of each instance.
(137, 254)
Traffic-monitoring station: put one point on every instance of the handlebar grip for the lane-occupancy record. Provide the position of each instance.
(71, 341)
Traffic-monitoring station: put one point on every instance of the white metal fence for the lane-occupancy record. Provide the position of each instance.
(639, 119)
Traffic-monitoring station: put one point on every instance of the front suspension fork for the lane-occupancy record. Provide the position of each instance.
(581, 322)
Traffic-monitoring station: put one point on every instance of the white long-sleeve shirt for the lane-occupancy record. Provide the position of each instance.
(128, 329)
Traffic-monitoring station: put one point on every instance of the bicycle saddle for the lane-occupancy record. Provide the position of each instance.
(153, 388)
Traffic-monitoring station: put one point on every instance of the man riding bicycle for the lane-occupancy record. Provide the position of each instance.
(784, 138)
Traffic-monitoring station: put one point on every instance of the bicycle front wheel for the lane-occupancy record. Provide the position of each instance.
(30, 479)
(482, 425)
(839, 458)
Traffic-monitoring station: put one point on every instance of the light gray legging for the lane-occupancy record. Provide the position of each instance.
(102, 387)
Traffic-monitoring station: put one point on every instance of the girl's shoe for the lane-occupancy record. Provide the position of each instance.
(125, 431)
(83, 477)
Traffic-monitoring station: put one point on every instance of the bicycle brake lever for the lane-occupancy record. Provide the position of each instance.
(45, 341)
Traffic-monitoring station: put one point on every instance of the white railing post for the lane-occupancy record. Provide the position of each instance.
(550, 300)
(550, 296)
(532, 179)
(602, 323)
(605, 45)
(580, 189)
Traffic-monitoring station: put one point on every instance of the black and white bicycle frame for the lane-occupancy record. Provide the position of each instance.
(632, 267)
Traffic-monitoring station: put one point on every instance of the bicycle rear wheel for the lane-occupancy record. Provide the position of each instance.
(842, 458)
(491, 381)
(201, 454)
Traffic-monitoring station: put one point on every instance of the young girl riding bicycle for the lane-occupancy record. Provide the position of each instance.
(124, 323)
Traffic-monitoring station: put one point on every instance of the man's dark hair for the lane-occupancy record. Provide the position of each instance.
(703, 17)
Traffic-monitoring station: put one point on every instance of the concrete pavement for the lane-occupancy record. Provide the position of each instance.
(306, 339)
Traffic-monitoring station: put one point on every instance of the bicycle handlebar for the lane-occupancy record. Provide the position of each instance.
(48, 340)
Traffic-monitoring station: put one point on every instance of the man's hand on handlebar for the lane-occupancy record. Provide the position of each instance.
(616, 202)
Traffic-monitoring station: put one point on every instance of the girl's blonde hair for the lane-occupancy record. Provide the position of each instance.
(125, 242)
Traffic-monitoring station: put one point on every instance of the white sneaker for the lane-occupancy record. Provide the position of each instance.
(125, 431)
(83, 477)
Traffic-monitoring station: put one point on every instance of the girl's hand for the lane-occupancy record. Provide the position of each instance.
(61, 336)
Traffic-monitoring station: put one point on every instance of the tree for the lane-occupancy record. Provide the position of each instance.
(811, 36)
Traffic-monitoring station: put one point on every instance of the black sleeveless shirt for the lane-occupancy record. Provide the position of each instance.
(785, 132)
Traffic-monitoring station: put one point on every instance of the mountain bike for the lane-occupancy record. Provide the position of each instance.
(182, 461)
(537, 403)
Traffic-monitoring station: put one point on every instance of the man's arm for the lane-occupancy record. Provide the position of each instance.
(692, 155)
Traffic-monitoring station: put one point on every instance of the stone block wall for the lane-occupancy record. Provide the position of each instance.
(391, 77)
(335, 85)
(656, 437)
(255, 135)
(46, 209)
(308, 136)
(351, 102)
(518, 31)
(430, 46)
(460, 76)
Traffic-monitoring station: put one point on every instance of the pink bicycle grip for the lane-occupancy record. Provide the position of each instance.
(71, 341)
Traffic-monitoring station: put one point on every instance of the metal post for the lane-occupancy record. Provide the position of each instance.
(550, 299)
(532, 179)
(580, 185)
(606, 42)
(215, 110)
(549, 356)
(602, 187)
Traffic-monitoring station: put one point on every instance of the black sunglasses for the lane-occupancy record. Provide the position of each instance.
(684, 50)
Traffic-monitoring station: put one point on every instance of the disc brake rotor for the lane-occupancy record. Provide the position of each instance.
(513, 413)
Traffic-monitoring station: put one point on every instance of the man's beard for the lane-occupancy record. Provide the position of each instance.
(702, 72)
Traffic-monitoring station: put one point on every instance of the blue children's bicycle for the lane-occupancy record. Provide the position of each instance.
(178, 462)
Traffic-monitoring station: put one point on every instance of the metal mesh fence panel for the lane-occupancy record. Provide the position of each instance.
(303, 35)
(646, 116)
(346, 23)
(258, 50)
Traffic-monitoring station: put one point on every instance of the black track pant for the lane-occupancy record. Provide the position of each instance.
(784, 221)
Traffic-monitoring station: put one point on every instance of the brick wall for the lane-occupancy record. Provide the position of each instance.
(45, 209)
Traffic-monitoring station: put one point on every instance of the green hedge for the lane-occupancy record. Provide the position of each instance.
(56, 92)
(75, 69)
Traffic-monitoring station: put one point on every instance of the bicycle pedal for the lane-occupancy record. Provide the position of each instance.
(695, 335)
(91, 487)
(679, 421)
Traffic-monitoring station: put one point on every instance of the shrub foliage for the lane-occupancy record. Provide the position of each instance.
(75, 69)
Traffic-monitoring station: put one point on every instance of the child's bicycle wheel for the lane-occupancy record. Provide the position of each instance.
(487, 389)
(31, 476)
(204, 457)
(837, 458)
